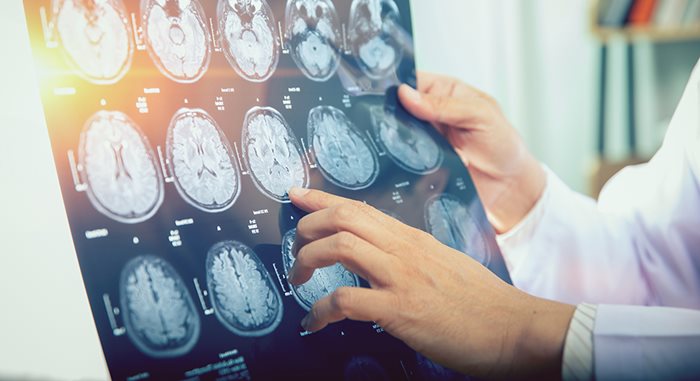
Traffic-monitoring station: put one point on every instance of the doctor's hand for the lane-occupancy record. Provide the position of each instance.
(437, 300)
(508, 178)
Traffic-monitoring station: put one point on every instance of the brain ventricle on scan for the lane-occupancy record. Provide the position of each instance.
(243, 294)
(96, 38)
(202, 161)
(177, 38)
(120, 168)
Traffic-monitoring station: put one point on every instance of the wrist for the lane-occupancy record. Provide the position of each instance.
(519, 194)
(539, 344)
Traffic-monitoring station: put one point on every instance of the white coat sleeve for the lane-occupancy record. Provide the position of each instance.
(646, 343)
(640, 244)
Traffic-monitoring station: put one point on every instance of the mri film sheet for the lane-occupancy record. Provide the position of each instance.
(177, 129)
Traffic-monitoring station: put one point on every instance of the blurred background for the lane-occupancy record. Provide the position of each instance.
(588, 87)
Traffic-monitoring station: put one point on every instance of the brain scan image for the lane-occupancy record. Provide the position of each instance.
(314, 38)
(120, 167)
(344, 155)
(248, 37)
(324, 281)
(96, 37)
(377, 51)
(243, 294)
(273, 154)
(365, 369)
(429, 370)
(453, 223)
(159, 314)
(202, 161)
(407, 143)
(177, 38)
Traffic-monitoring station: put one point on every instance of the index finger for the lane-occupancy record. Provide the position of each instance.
(331, 214)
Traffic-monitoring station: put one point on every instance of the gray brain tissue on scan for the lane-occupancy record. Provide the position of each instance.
(123, 179)
(313, 31)
(202, 161)
(452, 223)
(159, 314)
(247, 29)
(407, 143)
(177, 38)
(96, 37)
(272, 154)
(343, 153)
(324, 281)
(373, 24)
(242, 291)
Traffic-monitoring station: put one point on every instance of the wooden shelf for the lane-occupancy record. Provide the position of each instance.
(642, 33)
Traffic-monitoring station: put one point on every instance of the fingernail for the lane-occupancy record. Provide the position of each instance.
(305, 322)
(298, 192)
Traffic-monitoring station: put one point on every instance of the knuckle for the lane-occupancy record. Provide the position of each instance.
(345, 242)
(344, 213)
(342, 300)
(302, 227)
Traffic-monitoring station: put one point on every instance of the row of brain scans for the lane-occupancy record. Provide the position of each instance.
(97, 37)
(124, 180)
(160, 314)
(125, 183)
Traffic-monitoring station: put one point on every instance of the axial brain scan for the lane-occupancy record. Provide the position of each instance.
(452, 223)
(121, 173)
(243, 294)
(159, 314)
(407, 143)
(314, 37)
(177, 38)
(372, 37)
(247, 29)
(324, 281)
(344, 155)
(96, 37)
(202, 161)
(272, 154)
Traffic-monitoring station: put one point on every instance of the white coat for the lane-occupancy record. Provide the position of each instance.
(638, 246)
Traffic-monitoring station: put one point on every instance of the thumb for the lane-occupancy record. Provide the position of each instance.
(448, 110)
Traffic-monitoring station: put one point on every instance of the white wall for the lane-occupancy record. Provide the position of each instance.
(534, 56)
(46, 328)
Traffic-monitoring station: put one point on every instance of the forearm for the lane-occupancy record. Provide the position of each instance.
(515, 195)
(538, 347)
